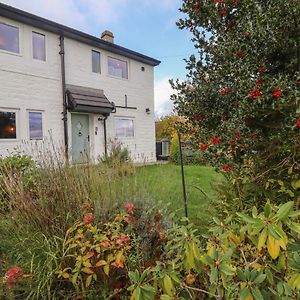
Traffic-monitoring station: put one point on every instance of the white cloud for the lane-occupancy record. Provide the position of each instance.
(162, 93)
(79, 14)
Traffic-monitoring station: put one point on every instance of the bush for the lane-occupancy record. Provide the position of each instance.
(255, 257)
(15, 169)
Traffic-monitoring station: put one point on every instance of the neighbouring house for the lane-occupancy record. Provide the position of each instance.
(78, 90)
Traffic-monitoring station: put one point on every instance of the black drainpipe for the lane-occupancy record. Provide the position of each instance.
(63, 81)
(105, 136)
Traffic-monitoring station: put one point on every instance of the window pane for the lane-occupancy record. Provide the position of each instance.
(124, 128)
(7, 125)
(117, 68)
(35, 126)
(96, 61)
(9, 38)
(38, 46)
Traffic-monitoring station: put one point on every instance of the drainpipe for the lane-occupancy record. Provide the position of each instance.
(105, 136)
(63, 81)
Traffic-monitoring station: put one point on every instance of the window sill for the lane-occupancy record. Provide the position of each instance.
(10, 53)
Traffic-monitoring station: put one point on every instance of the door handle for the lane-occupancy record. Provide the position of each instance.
(88, 138)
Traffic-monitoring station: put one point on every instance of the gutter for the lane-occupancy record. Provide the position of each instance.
(63, 81)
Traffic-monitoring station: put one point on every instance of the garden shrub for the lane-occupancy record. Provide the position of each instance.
(13, 169)
(256, 257)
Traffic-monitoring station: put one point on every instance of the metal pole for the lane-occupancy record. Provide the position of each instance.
(182, 176)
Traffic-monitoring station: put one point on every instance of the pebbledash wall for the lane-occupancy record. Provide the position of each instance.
(31, 85)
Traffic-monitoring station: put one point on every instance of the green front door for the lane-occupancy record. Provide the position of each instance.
(80, 138)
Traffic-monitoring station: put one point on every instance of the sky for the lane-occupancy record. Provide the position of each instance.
(145, 26)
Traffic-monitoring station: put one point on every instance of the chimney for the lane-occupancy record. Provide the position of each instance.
(107, 36)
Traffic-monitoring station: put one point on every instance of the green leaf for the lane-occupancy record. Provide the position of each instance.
(294, 227)
(262, 239)
(260, 278)
(244, 294)
(148, 292)
(246, 218)
(257, 294)
(275, 232)
(134, 276)
(213, 275)
(269, 275)
(227, 269)
(88, 281)
(165, 297)
(296, 184)
(267, 210)
(284, 211)
(168, 285)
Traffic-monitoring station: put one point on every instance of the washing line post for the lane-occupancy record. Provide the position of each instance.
(182, 175)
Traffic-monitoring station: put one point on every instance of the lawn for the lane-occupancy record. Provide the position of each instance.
(162, 183)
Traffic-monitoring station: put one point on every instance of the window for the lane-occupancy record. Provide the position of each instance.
(124, 127)
(38, 46)
(9, 38)
(96, 67)
(8, 125)
(35, 125)
(117, 67)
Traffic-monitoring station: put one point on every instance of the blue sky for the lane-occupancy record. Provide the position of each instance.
(146, 26)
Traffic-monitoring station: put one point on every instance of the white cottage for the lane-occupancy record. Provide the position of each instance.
(79, 89)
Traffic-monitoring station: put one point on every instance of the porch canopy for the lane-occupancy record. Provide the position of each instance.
(88, 100)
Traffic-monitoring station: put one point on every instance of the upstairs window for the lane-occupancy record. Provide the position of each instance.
(124, 128)
(38, 46)
(96, 62)
(9, 38)
(35, 125)
(8, 125)
(117, 68)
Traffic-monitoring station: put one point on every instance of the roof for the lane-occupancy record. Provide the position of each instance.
(47, 25)
(83, 99)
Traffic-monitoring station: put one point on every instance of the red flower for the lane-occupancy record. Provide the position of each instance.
(215, 140)
(254, 94)
(297, 123)
(223, 13)
(262, 69)
(234, 1)
(227, 168)
(226, 117)
(254, 136)
(240, 53)
(197, 117)
(258, 83)
(129, 207)
(88, 219)
(122, 240)
(224, 91)
(298, 82)
(12, 276)
(203, 147)
(220, 1)
(277, 93)
(197, 7)
(237, 135)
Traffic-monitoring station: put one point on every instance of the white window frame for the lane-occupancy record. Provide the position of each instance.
(28, 123)
(121, 59)
(16, 111)
(46, 54)
(125, 118)
(20, 27)
(96, 50)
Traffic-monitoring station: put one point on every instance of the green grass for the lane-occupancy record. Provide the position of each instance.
(162, 183)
